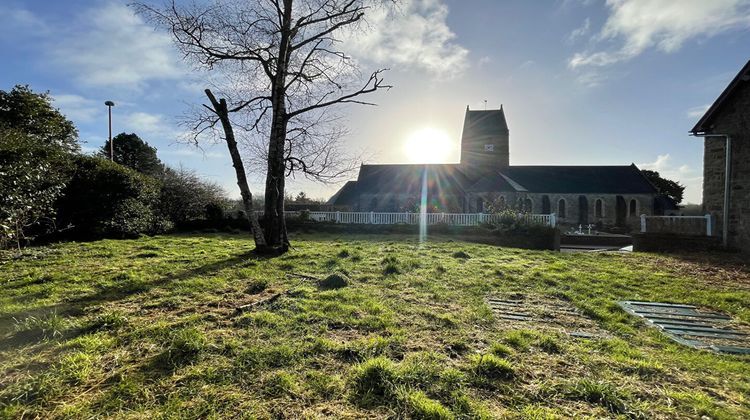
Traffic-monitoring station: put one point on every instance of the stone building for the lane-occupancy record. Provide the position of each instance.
(484, 180)
(728, 116)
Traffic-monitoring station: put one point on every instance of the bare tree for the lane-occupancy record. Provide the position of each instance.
(287, 70)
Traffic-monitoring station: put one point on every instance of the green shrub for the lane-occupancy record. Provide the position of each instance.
(184, 198)
(105, 199)
(32, 177)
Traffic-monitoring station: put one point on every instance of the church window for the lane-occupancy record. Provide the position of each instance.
(633, 207)
(527, 205)
(373, 204)
(480, 205)
(599, 209)
(489, 147)
(546, 207)
(561, 208)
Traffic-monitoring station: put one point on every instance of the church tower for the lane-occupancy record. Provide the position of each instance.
(485, 140)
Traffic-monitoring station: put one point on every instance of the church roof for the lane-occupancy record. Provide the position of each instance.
(442, 179)
(705, 123)
(450, 179)
(567, 180)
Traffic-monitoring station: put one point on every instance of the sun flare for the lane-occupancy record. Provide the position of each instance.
(428, 145)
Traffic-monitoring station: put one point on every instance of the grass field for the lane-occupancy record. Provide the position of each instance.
(147, 328)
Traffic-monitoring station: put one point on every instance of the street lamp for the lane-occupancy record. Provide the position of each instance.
(110, 104)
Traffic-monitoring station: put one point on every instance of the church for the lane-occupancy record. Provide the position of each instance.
(484, 180)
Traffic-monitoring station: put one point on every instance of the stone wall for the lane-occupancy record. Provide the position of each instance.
(643, 204)
(733, 119)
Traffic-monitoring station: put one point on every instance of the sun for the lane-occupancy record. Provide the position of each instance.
(428, 145)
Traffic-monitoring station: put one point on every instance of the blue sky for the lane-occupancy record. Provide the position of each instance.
(583, 82)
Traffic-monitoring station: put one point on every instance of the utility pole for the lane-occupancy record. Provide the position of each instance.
(110, 104)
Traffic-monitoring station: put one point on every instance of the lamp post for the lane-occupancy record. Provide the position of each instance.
(110, 104)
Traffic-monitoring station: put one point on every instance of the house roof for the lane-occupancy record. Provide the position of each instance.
(705, 123)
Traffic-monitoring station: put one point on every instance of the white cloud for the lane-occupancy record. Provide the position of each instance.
(697, 111)
(78, 108)
(580, 32)
(111, 46)
(639, 25)
(17, 21)
(149, 126)
(414, 35)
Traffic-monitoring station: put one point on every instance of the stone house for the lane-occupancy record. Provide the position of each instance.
(484, 179)
(725, 128)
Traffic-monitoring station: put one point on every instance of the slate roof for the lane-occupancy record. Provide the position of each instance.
(573, 180)
(450, 179)
(705, 123)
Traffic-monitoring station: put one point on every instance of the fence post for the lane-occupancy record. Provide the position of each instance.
(709, 228)
(372, 217)
(338, 217)
(552, 220)
(643, 223)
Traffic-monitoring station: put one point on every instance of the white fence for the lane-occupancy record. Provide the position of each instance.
(695, 225)
(456, 219)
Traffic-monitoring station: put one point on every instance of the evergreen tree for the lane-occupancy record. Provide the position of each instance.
(131, 151)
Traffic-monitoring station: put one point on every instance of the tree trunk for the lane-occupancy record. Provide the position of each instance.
(220, 107)
(275, 224)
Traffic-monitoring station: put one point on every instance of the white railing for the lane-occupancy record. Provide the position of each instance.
(455, 219)
(678, 224)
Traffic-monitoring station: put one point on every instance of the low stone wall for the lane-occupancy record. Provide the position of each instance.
(533, 237)
(679, 226)
(666, 242)
(597, 240)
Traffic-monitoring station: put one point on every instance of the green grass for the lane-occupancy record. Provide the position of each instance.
(360, 326)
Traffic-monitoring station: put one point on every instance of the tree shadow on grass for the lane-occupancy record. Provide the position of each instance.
(76, 306)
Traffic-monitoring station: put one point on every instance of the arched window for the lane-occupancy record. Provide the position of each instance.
(546, 206)
(633, 207)
(599, 209)
(501, 202)
(480, 205)
(373, 204)
(561, 208)
(528, 205)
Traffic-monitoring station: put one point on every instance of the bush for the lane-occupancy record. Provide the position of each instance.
(105, 199)
(32, 177)
(185, 198)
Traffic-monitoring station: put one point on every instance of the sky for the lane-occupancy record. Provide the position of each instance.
(582, 82)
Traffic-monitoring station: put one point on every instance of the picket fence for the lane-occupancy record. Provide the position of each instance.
(455, 219)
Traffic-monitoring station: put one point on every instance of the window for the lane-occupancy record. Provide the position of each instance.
(528, 205)
(633, 207)
(546, 207)
(374, 204)
(501, 202)
(480, 205)
(561, 208)
(599, 210)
